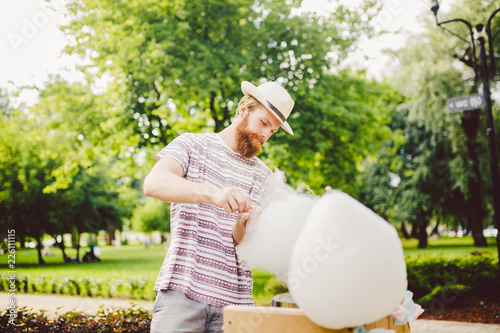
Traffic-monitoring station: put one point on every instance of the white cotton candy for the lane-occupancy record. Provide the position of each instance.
(269, 240)
(347, 268)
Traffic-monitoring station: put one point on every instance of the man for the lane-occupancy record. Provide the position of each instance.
(214, 182)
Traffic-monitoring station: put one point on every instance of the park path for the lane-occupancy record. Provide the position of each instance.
(51, 303)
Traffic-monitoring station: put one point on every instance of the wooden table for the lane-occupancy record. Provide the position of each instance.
(261, 319)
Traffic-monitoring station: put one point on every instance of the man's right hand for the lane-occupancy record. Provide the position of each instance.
(165, 182)
(232, 199)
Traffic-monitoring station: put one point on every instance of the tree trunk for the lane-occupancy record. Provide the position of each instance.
(39, 250)
(77, 247)
(435, 229)
(75, 240)
(422, 222)
(414, 229)
(475, 213)
(61, 246)
(111, 235)
(405, 233)
(77, 259)
(22, 240)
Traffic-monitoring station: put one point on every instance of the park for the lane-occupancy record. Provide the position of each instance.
(129, 273)
(413, 140)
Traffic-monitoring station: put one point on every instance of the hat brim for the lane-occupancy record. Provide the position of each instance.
(249, 89)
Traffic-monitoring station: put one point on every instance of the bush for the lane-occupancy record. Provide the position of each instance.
(474, 274)
(134, 287)
(275, 287)
(109, 320)
(432, 277)
(137, 286)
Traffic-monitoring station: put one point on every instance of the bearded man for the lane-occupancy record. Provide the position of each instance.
(215, 184)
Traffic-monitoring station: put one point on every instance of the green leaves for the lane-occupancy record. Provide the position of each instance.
(153, 215)
(56, 172)
(180, 63)
(429, 277)
(339, 123)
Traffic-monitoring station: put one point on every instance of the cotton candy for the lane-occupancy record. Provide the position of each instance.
(347, 266)
(269, 240)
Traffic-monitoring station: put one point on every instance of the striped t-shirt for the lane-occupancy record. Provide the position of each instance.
(201, 261)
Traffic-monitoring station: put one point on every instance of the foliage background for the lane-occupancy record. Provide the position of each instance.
(74, 162)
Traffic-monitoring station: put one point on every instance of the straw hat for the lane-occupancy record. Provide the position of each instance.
(274, 97)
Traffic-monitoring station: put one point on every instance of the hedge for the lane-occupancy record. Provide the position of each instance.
(134, 287)
(433, 277)
(109, 320)
(430, 276)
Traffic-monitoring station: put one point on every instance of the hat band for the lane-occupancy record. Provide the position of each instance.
(283, 119)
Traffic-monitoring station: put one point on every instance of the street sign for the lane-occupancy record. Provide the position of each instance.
(465, 103)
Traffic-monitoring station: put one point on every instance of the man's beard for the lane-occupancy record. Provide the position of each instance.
(248, 143)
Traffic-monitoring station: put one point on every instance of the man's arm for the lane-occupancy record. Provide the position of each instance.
(165, 182)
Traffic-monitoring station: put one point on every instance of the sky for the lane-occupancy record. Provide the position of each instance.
(31, 43)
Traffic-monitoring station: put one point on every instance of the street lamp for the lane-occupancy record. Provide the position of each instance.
(486, 74)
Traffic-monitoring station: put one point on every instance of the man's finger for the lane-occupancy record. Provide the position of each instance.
(243, 202)
(227, 207)
(233, 204)
(243, 218)
(248, 201)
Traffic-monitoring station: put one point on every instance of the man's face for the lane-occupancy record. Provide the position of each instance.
(254, 130)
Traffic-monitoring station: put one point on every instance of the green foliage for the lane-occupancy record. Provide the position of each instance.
(106, 320)
(137, 286)
(275, 287)
(443, 170)
(431, 276)
(133, 287)
(340, 122)
(153, 215)
(448, 246)
(177, 65)
(74, 161)
(438, 291)
(56, 176)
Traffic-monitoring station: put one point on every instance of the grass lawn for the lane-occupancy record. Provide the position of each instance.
(127, 261)
(132, 260)
(452, 246)
(137, 261)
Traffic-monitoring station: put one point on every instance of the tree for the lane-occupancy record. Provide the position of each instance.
(176, 66)
(343, 120)
(154, 215)
(442, 177)
(57, 177)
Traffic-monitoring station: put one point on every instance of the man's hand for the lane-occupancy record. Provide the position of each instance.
(233, 199)
(243, 219)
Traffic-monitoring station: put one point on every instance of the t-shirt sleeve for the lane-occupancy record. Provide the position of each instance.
(179, 149)
(259, 191)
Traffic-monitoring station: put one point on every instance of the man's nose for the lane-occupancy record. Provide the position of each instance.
(266, 134)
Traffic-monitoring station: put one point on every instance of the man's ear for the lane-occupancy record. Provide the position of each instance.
(242, 109)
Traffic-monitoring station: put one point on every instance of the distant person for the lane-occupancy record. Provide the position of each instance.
(46, 251)
(93, 254)
(214, 182)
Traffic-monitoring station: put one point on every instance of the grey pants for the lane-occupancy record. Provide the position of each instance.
(175, 312)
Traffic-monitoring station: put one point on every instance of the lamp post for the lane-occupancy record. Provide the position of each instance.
(486, 73)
